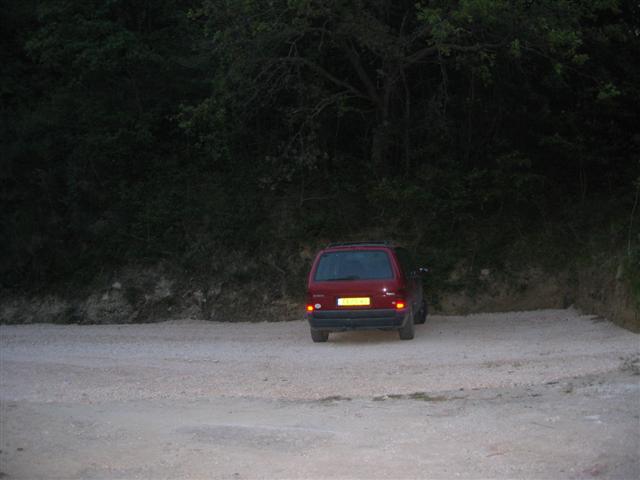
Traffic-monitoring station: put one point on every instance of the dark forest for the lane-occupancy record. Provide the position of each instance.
(496, 133)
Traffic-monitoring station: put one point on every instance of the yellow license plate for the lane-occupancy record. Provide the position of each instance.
(354, 301)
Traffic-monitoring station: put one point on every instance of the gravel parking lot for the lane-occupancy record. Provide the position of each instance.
(540, 394)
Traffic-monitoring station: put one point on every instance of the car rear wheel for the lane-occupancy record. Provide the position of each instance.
(421, 316)
(319, 336)
(407, 332)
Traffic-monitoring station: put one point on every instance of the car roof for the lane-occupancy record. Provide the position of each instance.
(349, 245)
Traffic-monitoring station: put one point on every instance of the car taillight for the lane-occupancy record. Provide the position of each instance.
(400, 305)
(309, 308)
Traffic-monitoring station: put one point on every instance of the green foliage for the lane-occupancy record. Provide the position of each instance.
(180, 128)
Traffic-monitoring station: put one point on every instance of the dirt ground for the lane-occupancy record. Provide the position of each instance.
(540, 394)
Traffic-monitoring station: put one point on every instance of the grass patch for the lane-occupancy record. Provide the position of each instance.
(334, 398)
(419, 396)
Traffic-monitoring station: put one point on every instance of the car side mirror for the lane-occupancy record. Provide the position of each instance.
(419, 272)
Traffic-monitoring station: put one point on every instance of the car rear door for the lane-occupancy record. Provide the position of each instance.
(344, 275)
(414, 282)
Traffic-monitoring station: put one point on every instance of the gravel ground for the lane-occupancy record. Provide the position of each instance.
(542, 394)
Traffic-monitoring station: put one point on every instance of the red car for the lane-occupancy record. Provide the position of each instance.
(364, 286)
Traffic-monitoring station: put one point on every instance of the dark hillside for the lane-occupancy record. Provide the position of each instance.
(226, 140)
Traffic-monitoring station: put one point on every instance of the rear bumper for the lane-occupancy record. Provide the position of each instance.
(341, 320)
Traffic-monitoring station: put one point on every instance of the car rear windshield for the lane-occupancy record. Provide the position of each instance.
(353, 265)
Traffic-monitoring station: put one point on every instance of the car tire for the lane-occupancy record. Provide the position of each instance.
(319, 336)
(421, 317)
(407, 331)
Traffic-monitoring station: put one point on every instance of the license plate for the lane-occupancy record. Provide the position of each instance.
(354, 301)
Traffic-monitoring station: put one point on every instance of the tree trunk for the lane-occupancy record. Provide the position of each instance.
(379, 147)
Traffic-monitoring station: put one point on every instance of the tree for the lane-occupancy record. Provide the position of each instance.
(158, 129)
(88, 127)
(379, 59)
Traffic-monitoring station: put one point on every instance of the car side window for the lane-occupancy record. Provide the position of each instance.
(406, 263)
